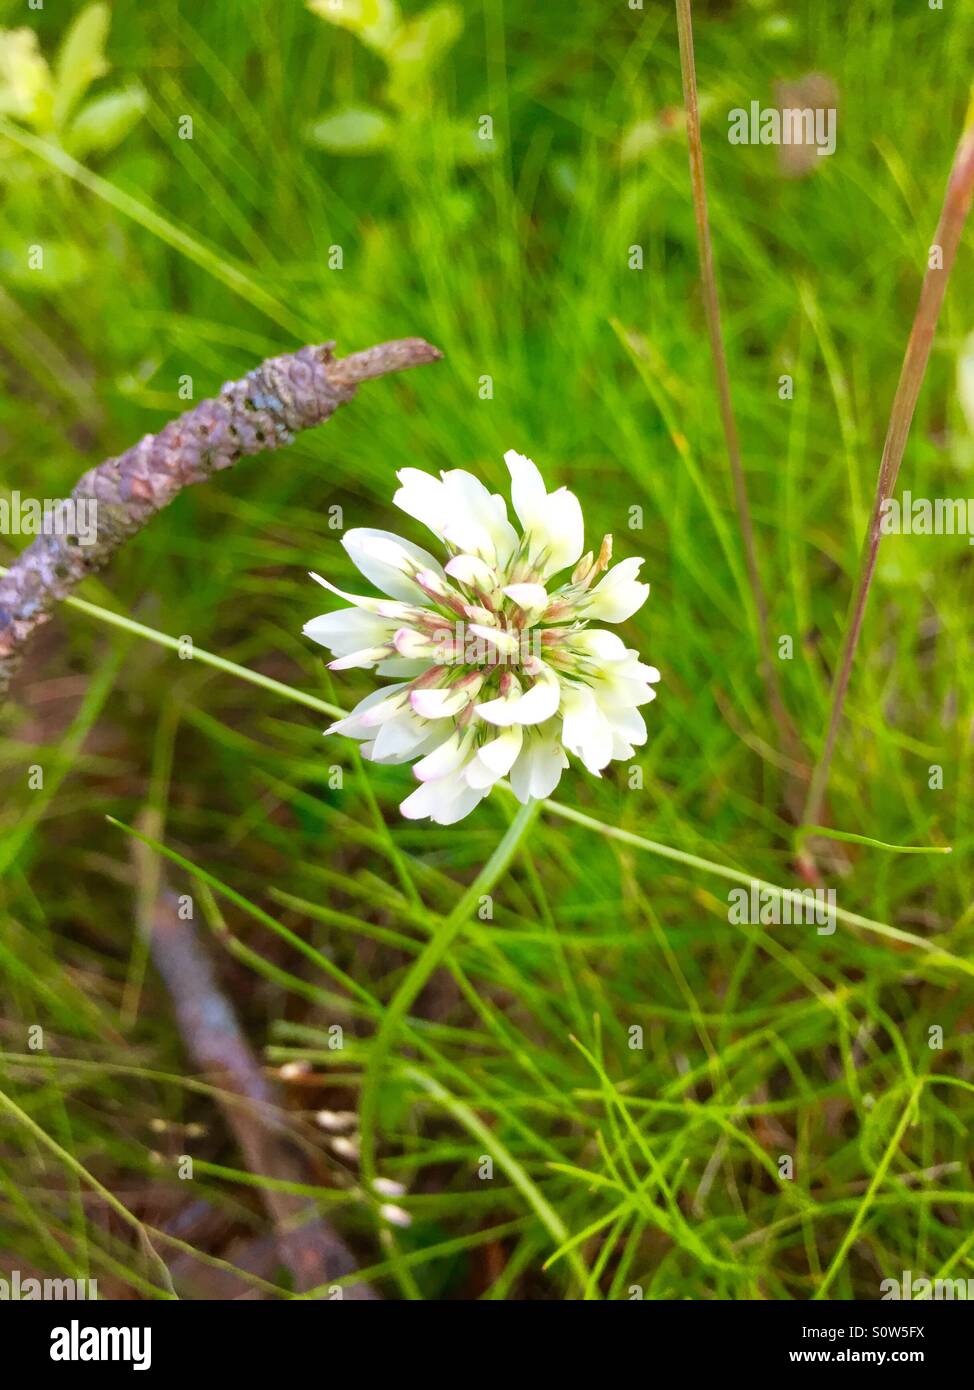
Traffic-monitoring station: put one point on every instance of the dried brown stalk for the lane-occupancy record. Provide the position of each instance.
(957, 203)
(711, 302)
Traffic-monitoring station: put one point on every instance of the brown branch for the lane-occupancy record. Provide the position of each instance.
(308, 1246)
(264, 410)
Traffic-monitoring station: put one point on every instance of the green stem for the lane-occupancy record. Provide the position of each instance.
(878, 1178)
(938, 954)
(419, 973)
(219, 663)
(694, 861)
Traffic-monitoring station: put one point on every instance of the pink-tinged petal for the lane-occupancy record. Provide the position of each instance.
(506, 642)
(441, 702)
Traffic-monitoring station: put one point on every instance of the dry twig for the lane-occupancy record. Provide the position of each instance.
(264, 410)
(208, 1025)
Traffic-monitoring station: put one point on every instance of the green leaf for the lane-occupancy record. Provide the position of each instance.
(351, 130)
(419, 45)
(105, 121)
(80, 60)
(375, 22)
(25, 79)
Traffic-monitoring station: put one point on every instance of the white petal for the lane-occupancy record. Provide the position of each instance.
(552, 522)
(527, 489)
(384, 606)
(348, 630)
(563, 534)
(585, 730)
(533, 707)
(380, 556)
(446, 800)
(461, 806)
(469, 569)
(495, 758)
(363, 659)
(549, 762)
(477, 520)
(445, 758)
(528, 596)
(399, 737)
(618, 595)
(423, 802)
(605, 646)
(538, 769)
(628, 724)
(352, 725)
(407, 753)
(386, 709)
(459, 509)
(421, 496)
(625, 692)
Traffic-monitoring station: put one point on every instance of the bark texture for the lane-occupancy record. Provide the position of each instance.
(264, 410)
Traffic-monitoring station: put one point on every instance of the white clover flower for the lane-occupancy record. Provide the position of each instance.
(500, 672)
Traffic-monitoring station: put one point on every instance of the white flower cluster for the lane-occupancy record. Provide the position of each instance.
(500, 672)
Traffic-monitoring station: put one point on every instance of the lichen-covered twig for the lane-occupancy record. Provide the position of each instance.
(264, 410)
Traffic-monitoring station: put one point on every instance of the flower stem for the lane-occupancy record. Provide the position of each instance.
(205, 658)
(419, 973)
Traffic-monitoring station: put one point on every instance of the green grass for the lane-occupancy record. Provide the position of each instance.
(614, 1165)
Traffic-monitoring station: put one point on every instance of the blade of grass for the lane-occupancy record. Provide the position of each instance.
(216, 263)
(420, 971)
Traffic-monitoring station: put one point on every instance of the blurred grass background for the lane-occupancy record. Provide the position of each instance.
(336, 185)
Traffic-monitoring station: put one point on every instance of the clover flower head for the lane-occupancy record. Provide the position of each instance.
(499, 669)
